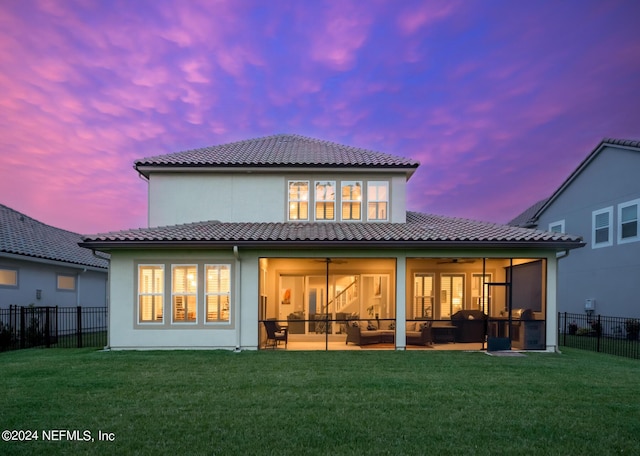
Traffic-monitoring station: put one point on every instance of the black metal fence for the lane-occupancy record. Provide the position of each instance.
(612, 335)
(60, 327)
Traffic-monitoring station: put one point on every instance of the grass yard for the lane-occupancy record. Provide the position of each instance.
(341, 403)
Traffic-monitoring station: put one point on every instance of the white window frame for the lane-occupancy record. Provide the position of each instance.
(481, 292)
(221, 294)
(450, 276)
(350, 202)
(185, 295)
(622, 206)
(10, 271)
(139, 319)
(594, 228)
(423, 301)
(324, 199)
(559, 223)
(299, 200)
(377, 200)
(60, 285)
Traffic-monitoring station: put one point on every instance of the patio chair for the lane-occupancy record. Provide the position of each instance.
(275, 333)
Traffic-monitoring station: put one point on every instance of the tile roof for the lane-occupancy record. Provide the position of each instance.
(526, 218)
(22, 235)
(421, 230)
(281, 150)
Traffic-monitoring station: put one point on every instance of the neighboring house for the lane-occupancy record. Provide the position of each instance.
(600, 201)
(303, 231)
(42, 265)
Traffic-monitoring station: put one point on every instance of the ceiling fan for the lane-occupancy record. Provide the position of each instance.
(455, 261)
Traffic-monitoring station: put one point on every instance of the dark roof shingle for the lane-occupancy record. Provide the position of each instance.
(424, 230)
(278, 151)
(23, 235)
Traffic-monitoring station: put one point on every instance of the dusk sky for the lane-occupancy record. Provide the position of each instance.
(498, 100)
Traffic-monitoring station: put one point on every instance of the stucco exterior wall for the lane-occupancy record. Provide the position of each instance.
(176, 198)
(607, 274)
(91, 285)
(242, 333)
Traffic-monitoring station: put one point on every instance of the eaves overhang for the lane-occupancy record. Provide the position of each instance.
(106, 246)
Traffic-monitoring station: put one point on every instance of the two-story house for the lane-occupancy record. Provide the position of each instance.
(315, 235)
(600, 200)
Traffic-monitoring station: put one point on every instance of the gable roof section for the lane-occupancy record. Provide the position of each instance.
(525, 219)
(24, 236)
(277, 151)
(420, 230)
(607, 142)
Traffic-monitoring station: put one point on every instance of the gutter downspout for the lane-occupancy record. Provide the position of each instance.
(237, 287)
(106, 298)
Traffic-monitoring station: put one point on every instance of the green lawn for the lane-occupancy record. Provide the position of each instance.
(293, 403)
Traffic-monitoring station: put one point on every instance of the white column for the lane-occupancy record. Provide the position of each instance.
(401, 306)
(552, 308)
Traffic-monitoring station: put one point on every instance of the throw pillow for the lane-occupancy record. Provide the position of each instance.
(371, 326)
(354, 324)
(411, 326)
(392, 325)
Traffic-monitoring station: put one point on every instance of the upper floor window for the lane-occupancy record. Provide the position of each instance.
(628, 221)
(150, 293)
(325, 198)
(8, 277)
(218, 292)
(377, 200)
(557, 227)
(298, 200)
(351, 200)
(66, 282)
(184, 293)
(601, 233)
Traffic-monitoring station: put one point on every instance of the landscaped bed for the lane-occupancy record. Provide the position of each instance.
(378, 402)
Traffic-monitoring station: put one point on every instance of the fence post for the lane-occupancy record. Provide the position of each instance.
(564, 336)
(22, 327)
(598, 333)
(47, 335)
(79, 325)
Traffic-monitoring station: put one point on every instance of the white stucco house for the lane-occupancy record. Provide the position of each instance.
(316, 235)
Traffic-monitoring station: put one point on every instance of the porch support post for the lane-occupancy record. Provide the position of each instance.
(552, 307)
(401, 306)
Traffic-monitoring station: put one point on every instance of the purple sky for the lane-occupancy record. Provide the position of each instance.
(499, 100)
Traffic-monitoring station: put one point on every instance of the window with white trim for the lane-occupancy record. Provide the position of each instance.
(557, 227)
(351, 200)
(218, 292)
(628, 221)
(184, 293)
(150, 293)
(325, 199)
(8, 277)
(480, 291)
(298, 200)
(423, 295)
(377, 200)
(601, 235)
(451, 294)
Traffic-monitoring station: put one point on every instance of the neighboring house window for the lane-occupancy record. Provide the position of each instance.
(325, 198)
(298, 200)
(150, 293)
(8, 277)
(601, 235)
(377, 200)
(66, 282)
(628, 220)
(218, 292)
(351, 200)
(451, 294)
(184, 293)
(423, 295)
(557, 227)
